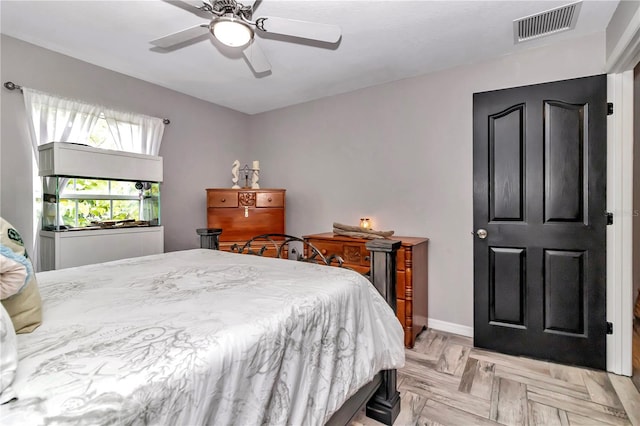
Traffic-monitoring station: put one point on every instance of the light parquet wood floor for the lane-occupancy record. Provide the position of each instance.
(446, 381)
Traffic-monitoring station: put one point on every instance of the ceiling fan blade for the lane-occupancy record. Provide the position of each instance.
(302, 29)
(196, 7)
(180, 36)
(252, 3)
(256, 57)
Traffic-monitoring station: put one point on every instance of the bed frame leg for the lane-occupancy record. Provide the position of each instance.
(384, 406)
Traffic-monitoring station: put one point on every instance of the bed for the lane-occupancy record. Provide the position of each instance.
(209, 337)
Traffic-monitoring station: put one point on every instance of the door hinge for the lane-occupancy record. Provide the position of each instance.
(609, 108)
(609, 218)
(609, 328)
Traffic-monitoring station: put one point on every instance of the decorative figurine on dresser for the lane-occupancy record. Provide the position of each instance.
(245, 210)
(411, 275)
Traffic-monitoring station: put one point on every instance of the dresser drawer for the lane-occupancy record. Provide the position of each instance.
(327, 248)
(356, 254)
(242, 225)
(352, 254)
(270, 199)
(222, 199)
(360, 269)
(357, 257)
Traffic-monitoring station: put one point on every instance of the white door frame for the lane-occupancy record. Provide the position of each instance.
(620, 64)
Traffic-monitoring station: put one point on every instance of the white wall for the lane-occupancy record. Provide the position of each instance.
(636, 181)
(401, 153)
(198, 146)
(619, 23)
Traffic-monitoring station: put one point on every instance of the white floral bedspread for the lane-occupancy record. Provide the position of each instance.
(201, 337)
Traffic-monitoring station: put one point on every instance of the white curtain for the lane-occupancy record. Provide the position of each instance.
(135, 132)
(56, 119)
(53, 119)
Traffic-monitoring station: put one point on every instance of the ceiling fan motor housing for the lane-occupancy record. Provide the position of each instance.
(223, 7)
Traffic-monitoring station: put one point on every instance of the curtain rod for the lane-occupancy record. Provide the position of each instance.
(12, 86)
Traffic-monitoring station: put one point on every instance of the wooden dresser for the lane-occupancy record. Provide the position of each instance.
(245, 213)
(411, 285)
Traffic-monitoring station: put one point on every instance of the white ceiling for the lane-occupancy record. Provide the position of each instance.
(381, 41)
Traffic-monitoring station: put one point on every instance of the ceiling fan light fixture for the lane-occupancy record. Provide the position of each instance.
(231, 31)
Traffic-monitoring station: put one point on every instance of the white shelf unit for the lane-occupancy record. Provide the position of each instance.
(60, 250)
(68, 159)
(67, 249)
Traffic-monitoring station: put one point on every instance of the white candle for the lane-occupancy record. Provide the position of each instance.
(256, 165)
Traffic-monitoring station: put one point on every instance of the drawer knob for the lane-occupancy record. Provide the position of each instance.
(269, 199)
(367, 258)
(323, 251)
(222, 200)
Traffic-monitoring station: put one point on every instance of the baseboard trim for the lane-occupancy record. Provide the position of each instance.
(450, 327)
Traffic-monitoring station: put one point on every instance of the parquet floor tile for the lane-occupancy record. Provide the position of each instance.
(448, 382)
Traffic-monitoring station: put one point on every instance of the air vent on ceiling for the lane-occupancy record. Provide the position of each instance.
(552, 21)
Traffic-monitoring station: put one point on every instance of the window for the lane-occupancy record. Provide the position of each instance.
(77, 210)
(54, 118)
(84, 203)
(100, 136)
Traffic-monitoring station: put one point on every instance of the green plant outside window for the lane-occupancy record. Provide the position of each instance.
(86, 202)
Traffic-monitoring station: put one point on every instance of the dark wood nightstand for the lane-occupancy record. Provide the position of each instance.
(411, 285)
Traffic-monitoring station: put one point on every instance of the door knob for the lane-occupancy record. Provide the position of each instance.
(482, 233)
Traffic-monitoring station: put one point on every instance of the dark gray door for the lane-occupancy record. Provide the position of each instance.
(539, 197)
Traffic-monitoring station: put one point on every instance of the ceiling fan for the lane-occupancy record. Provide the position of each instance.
(232, 25)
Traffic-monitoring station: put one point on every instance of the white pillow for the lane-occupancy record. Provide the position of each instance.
(8, 357)
(25, 306)
(15, 272)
